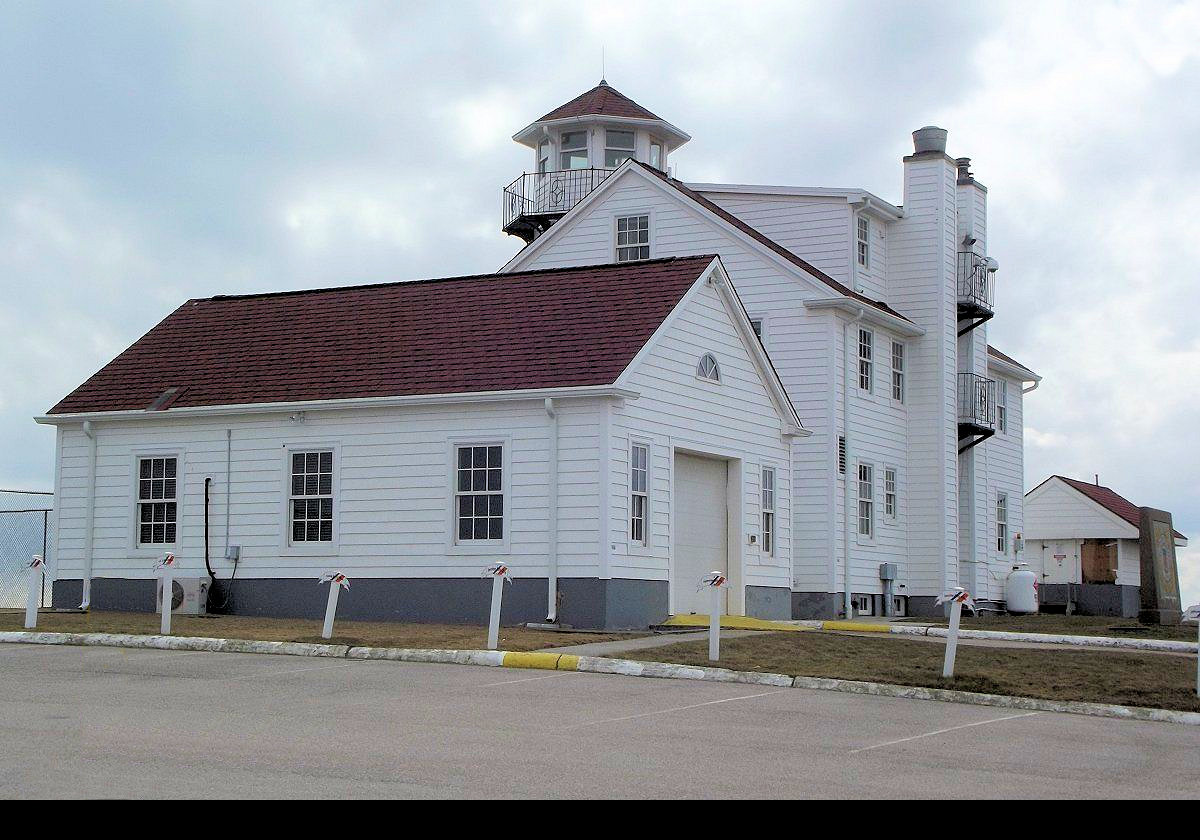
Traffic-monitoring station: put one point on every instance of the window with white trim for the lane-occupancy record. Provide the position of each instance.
(618, 147)
(866, 364)
(708, 368)
(889, 492)
(866, 500)
(479, 492)
(633, 238)
(573, 152)
(543, 157)
(864, 241)
(656, 154)
(158, 509)
(311, 496)
(1002, 406)
(639, 498)
(1002, 523)
(756, 324)
(768, 511)
(898, 371)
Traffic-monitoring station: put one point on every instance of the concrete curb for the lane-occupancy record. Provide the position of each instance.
(599, 665)
(1159, 645)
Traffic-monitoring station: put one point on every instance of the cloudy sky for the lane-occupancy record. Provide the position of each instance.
(153, 152)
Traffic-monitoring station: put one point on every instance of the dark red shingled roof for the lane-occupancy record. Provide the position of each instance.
(763, 239)
(494, 332)
(604, 100)
(1109, 499)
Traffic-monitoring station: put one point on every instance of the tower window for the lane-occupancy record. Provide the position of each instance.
(898, 371)
(543, 157)
(633, 238)
(1002, 406)
(573, 152)
(864, 242)
(866, 500)
(618, 147)
(866, 365)
(656, 154)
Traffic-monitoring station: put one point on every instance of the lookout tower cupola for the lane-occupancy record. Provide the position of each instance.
(575, 147)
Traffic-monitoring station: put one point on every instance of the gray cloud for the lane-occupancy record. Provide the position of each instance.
(155, 152)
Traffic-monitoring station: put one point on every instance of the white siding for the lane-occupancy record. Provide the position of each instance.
(1055, 511)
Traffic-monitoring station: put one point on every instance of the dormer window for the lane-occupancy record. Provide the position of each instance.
(708, 368)
(574, 153)
(618, 147)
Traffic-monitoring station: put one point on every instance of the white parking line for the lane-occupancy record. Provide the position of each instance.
(675, 709)
(943, 731)
(523, 680)
(268, 673)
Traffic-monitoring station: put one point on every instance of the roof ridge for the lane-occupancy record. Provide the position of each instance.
(462, 277)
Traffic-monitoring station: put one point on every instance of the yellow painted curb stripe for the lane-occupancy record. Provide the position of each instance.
(856, 626)
(546, 661)
(735, 622)
(567, 662)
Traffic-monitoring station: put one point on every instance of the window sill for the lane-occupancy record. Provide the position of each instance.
(483, 547)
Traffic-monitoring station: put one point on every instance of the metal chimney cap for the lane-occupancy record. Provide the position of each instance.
(930, 139)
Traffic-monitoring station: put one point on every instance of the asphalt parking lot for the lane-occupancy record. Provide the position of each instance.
(114, 722)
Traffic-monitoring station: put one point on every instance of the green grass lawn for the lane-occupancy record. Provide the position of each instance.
(1075, 625)
(1130, 679)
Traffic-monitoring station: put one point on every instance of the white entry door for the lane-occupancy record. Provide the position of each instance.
(1060, 560)
(701, 530)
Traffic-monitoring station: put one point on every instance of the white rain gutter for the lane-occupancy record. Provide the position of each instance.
(85, 603)
(848, 600)
(552, 517)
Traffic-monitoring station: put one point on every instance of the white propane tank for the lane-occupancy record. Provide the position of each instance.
(1020, 590)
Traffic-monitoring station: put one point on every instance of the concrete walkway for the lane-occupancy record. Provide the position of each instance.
(643, 643)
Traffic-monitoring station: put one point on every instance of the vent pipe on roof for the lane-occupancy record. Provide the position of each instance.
(930, 139)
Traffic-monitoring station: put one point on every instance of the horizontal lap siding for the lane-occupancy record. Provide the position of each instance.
(392, 499)
(1003, 471)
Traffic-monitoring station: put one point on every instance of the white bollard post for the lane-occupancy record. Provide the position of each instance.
(33, 600)
(952, 639)
(714, 580)
(336, 581)
(499, 574)
(165, 567)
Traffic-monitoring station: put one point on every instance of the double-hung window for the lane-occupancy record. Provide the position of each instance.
(1002, 523)
(618, 147)
(1002, 406)
(898, 371)
(866, 500)
(157, 504)
(889, 492)
(311, 496)
(639, 465)
(573, 152)
(768, 511)
(633, 238)
(866, 365)
(864, 242)
(479, 492)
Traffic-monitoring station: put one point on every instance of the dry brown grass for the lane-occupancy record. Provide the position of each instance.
(1129, 679)
(374, 633)
(1076, 625)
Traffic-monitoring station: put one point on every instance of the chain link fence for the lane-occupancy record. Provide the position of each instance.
(24, 531)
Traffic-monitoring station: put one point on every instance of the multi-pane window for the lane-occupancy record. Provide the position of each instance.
(573, 153)
(866, 500)
(1002, 523)
(708, 368)
(633, 238)
(864, 242)
(898, 371)
(312, 496)
(639, 463)
(768, 510)
(618, 147)
(866, 349)
(479, 492)
(1002, 405)
(157, 504)
(889, 492)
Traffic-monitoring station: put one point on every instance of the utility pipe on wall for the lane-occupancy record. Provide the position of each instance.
(848, 604)
(89, 516)
(552, 517)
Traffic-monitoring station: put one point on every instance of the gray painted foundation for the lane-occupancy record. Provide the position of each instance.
(770, 602)
(809, 605)
(1110, 599)
(584, 602)
(923, 606)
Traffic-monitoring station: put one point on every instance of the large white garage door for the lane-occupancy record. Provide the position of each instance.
(701, 537)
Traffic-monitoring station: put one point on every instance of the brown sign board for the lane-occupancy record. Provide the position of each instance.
(1160, 575)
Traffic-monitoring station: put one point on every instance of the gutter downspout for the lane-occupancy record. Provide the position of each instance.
(1032, 387)
(848, 600)
(552, 518)
(89, 429)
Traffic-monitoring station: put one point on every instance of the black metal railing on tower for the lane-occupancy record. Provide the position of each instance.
(535, 200)
(976, 401)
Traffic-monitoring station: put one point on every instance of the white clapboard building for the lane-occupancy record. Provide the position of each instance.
(789, 385)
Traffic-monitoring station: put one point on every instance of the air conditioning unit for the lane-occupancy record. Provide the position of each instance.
(189, 595)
